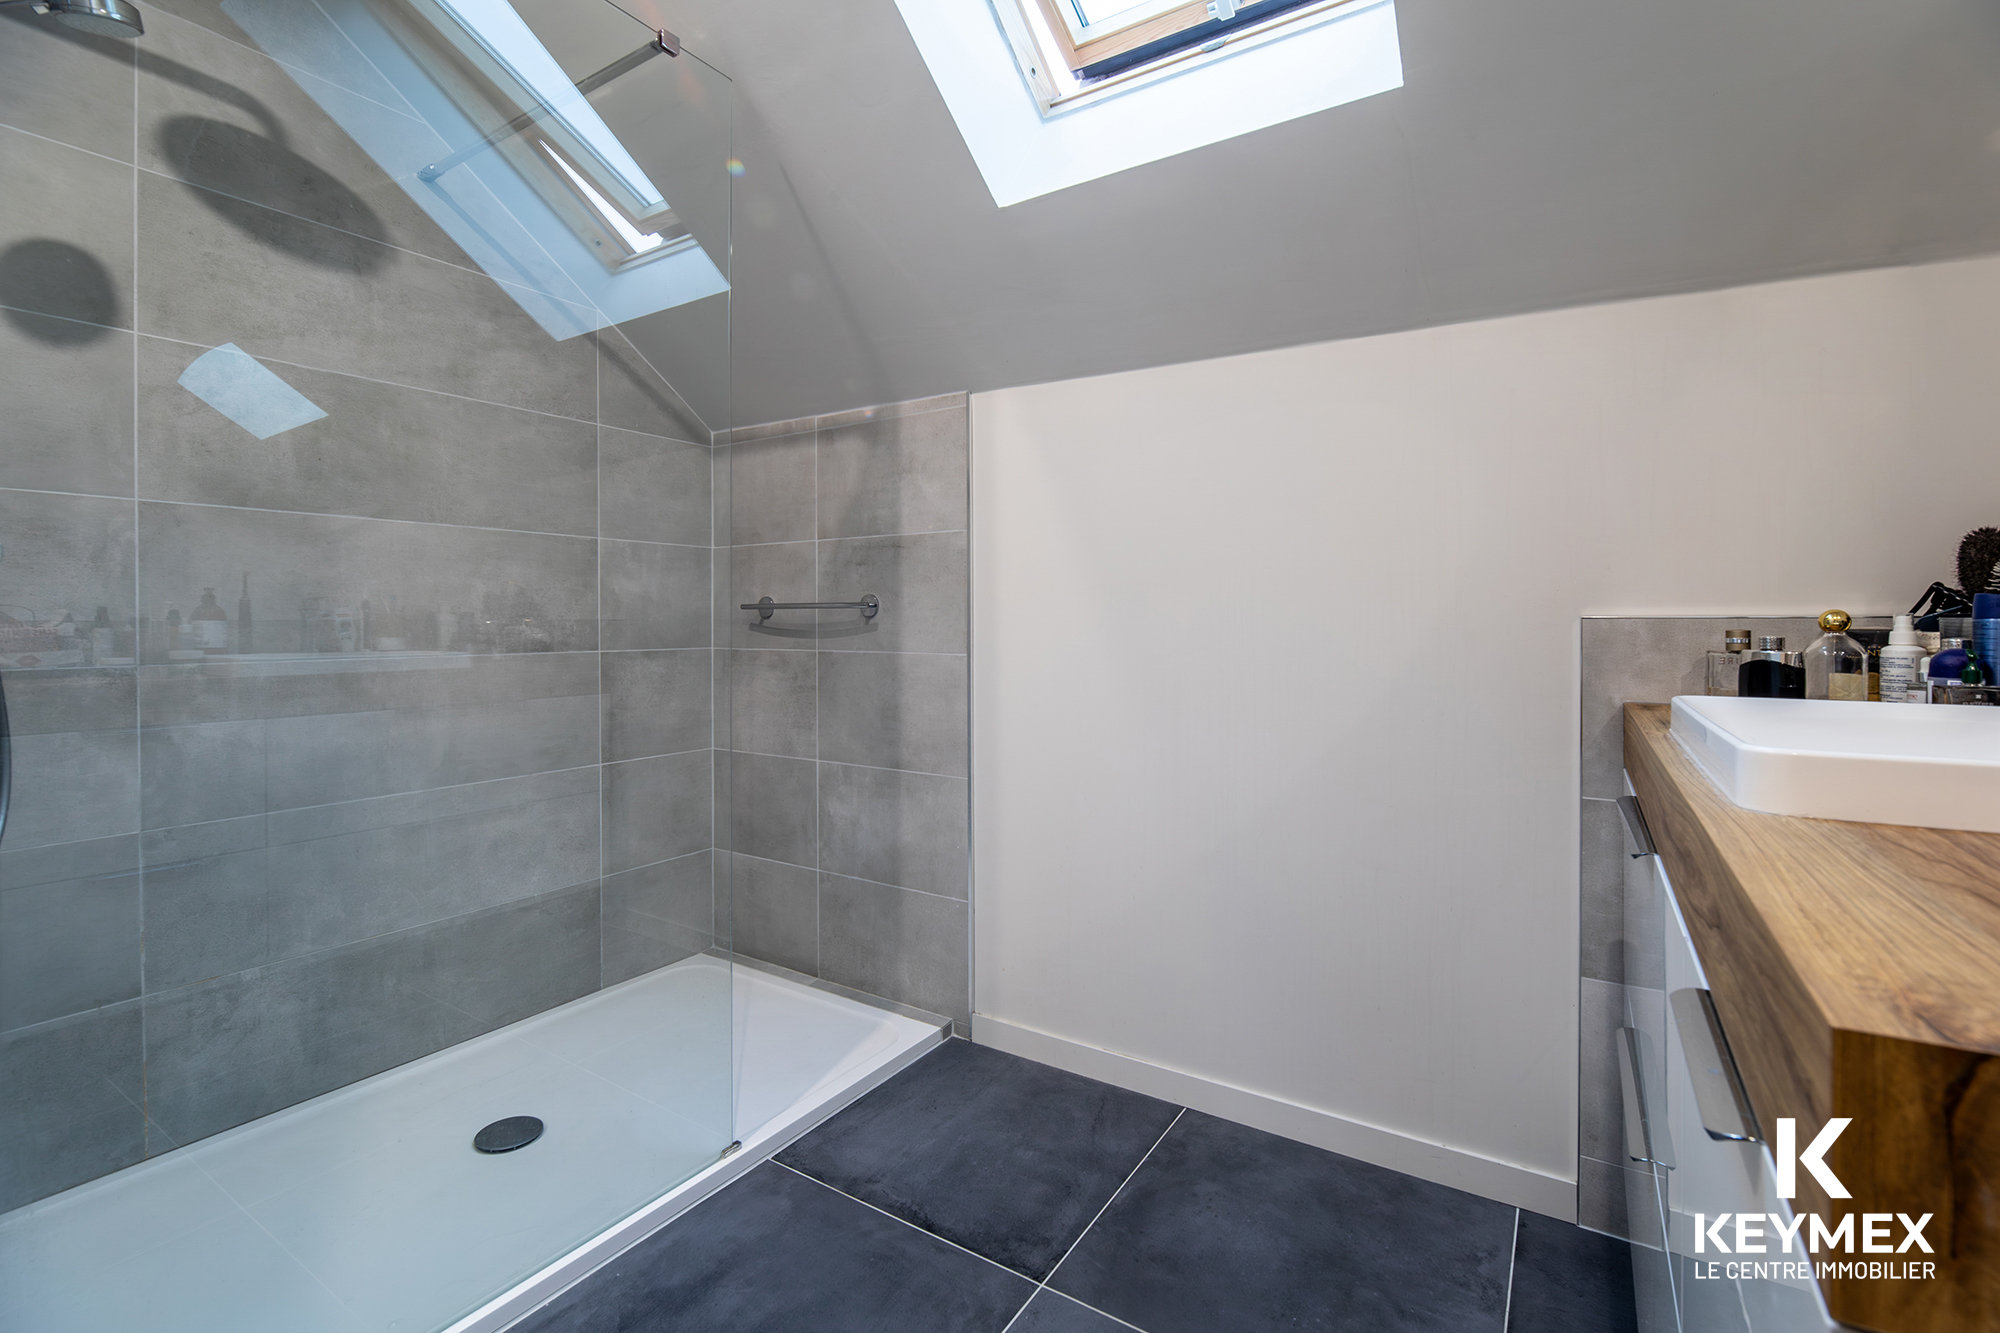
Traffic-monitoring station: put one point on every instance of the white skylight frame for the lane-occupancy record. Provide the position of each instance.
(1026, 147)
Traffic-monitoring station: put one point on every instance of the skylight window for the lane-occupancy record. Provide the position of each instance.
(1051, 93)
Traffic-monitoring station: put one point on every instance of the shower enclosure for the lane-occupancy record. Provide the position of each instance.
(364, 550)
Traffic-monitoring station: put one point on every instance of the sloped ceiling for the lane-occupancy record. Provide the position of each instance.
(1542, 153)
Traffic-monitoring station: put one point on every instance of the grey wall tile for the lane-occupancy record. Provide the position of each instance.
(507, 964)
(655, 596)
(634, 945)
(771, 488)
(65, 85)
(281, 287)
(656, 702)
(1601, 858)
(905, 946)
(1649, 659)
(894, 710)
(653, 489)
(67, 946)
(221, 114)
(214, 770)
(21, 867)
(73, 786)
(540, 835)
(775, 710)
(1600, 1113)
(72, 210)
(783, 573)
(883, 411)
(206, 916)
(632, 395)
(775, 912)
(70, 699)
(923, 584)
(896, 828)
(532, 592)
(55, 438)
(479, 464)
(1601, 1200)
(66, 553)
(680, 892)
(1645, 954)
(768, 429)
(772, 808)
(61, 1113)
(656, 809)
(349, 756)
(899, 474)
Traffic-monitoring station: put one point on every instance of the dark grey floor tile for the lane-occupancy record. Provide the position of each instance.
(1568, 1280)
(1006, 1157)
(1230, 1227)
(1053, 1312)
(777, 1252)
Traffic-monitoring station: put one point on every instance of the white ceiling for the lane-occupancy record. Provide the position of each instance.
(1542, 153)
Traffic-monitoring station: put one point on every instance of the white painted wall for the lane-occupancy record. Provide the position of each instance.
(1274, 708)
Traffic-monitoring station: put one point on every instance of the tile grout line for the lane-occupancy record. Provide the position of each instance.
(819, 833)
(597, 550)
(902, 1220)
(841, 763)
(1043, 1284)
(858, 879)
(1513, 1257)
(139, 652)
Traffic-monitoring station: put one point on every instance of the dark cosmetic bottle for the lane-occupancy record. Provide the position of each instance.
(1769, 672)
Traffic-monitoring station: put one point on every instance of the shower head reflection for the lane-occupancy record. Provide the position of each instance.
(99, 18)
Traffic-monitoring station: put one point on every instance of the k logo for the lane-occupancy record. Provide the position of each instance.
(1790, 1159)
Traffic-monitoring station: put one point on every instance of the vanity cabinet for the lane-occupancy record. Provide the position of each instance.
(1837, 970)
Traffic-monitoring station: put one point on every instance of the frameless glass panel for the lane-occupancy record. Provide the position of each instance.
(357, 538)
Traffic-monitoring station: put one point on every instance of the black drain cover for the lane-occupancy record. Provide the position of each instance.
(516, 1131)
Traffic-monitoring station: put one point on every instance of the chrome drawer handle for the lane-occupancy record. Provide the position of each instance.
(1645, 1118)
(1639, 838)
(1719, 1094)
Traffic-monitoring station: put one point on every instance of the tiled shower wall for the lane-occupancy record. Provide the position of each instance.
(1627, 659)
(226, 887)
(848, 805)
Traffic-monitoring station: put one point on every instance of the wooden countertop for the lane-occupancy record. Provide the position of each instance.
(1892, 931)
(1856, 970)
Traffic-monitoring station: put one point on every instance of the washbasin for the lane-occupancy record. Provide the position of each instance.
(1932, 766)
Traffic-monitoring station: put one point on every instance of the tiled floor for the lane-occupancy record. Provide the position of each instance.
(979, 1191)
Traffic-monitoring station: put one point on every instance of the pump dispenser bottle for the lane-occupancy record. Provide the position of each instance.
(1900, 662)
(1836, 666)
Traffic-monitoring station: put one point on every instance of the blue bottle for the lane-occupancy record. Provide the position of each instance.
(1986, 629)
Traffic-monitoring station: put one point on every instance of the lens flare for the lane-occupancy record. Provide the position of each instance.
(735, 167)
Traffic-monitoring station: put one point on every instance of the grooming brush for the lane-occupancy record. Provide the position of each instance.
(1979, 561)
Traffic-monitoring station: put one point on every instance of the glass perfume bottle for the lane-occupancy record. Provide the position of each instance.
(1836, 666)
(1723, 666)
(1769, 672)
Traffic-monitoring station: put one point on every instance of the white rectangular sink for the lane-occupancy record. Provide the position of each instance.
(1932, 766)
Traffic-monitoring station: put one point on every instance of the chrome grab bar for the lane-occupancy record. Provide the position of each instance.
(764, 606)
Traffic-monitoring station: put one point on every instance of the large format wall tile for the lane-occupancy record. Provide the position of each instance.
(894, 475)
(653, 489)
(774, 912)
(655, 596)
(656, 702)
(771, 808)
(775, 702)
(657, 809)
(782, 572)
(65, 231)
(525, 591)
(909, 947)
(54, 437)
(65, 85)
(894, 710)
(921, 580)
(479, 464)
(69, 929)
(183, 693)
(281, 287)
(771, 485)
(62, 1115)
(658, 914)
(631, 395)
(897, 828)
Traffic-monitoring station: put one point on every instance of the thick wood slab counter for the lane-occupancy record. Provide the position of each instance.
(1856, 968)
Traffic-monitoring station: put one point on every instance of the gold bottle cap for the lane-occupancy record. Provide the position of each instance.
(1833, 622)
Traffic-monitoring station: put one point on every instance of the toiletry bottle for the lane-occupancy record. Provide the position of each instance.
(103, 638)
(1974, 672)
(172, 632)
(243, 617)
(1722, 666)
(1872, 642)
(208, 626)
(1899, 662)
(1769, 672)
(1944, 667)
(1986, 629)
(1836, 666)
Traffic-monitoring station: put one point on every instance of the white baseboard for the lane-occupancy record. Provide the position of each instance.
(1503, 1181)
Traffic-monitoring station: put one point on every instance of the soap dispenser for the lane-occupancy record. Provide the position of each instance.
(1836, 666)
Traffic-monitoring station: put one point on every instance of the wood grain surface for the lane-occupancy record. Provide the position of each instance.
(1856, 969)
